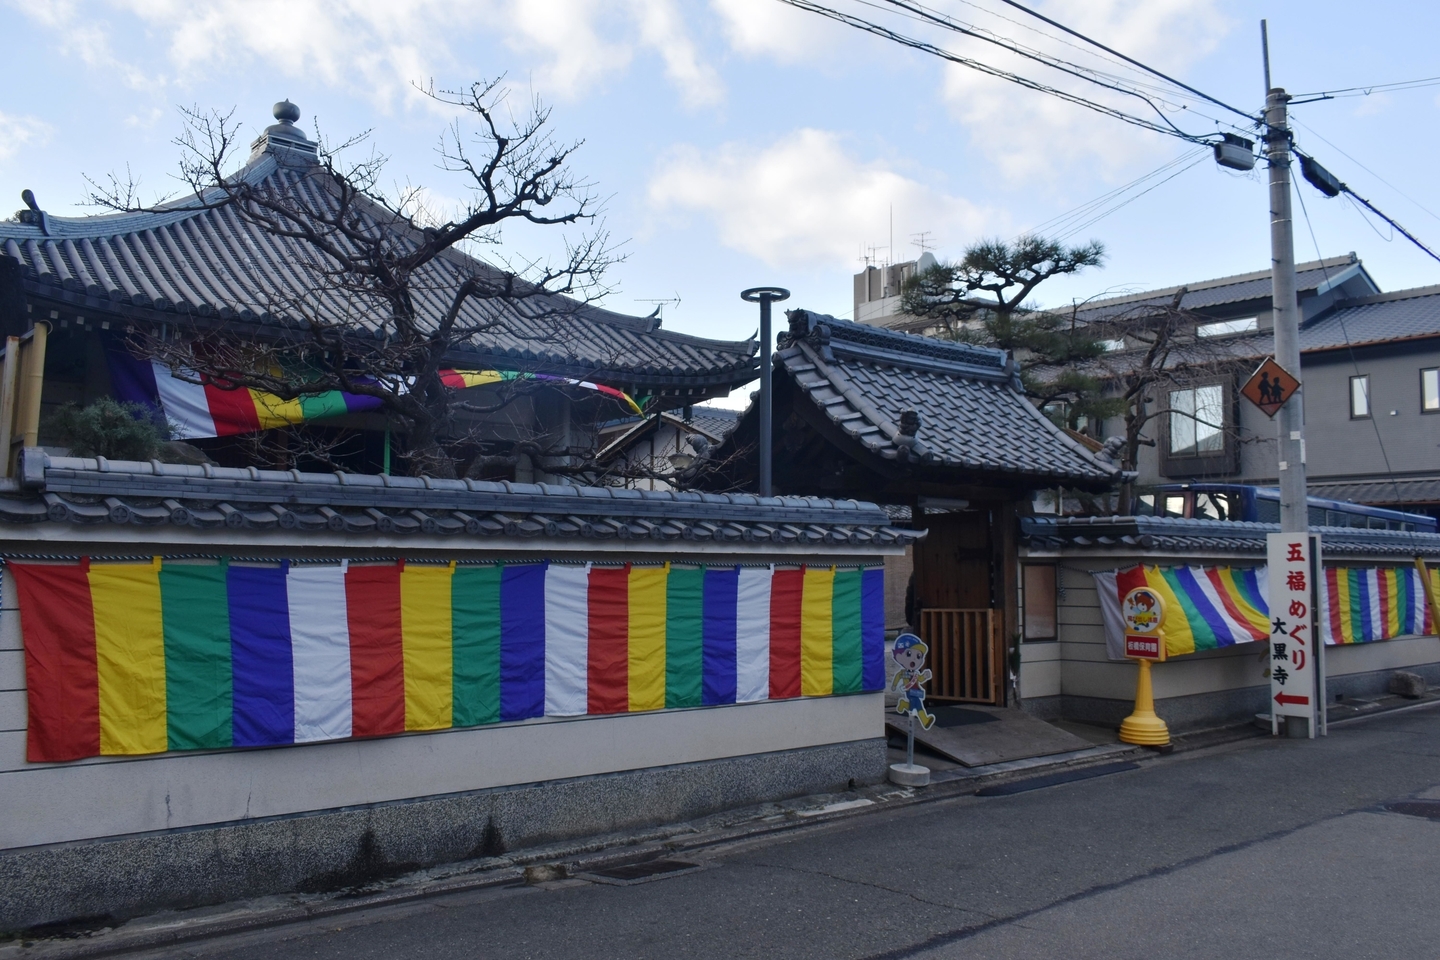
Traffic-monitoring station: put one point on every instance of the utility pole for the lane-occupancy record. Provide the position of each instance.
(1304, 704)
(765, 296)
(1294, 515)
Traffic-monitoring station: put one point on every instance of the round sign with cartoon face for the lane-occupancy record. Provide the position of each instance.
(1141, 610)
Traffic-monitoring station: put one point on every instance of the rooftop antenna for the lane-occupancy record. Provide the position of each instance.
(922, 240)
(890, 250)
(660, 304)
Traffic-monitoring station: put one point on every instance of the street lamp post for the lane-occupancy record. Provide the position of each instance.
(765, 296)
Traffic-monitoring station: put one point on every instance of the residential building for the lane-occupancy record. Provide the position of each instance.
(878, 292)
(1369, 363)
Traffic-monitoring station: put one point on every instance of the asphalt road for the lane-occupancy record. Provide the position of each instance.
(1266, 849)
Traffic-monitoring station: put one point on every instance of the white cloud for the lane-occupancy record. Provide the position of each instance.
(18, 132)
(583, 41)
(1031, 136)
(379, 48)
(771, 29)
(805, 201)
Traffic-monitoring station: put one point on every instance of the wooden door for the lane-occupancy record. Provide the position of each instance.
(955, 603)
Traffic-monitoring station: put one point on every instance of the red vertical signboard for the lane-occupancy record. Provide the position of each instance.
(1294, 647)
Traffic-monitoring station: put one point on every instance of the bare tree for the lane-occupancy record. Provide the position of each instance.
(385, 301)
(1162, 354)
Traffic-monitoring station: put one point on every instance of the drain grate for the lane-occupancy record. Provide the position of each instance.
(1430, 809)
(626, 874)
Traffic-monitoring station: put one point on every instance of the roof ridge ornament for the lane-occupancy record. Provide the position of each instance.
(32, 214)
(285, 141)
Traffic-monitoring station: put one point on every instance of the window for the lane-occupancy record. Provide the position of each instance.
(1430, 390)
(1197, 421)
(1227, 327)
(1360, 397)
(1039, 601)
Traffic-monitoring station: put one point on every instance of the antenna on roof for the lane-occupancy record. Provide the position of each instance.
(922, 240)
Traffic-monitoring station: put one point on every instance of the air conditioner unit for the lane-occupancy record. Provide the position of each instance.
(1235, 152)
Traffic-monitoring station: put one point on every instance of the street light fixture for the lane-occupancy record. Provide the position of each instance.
(765, 296)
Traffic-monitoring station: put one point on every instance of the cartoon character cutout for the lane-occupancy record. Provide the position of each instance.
(909, 653)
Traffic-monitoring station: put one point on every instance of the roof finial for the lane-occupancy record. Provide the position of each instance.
(286, 112)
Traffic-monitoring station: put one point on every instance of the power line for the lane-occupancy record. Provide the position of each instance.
(1169, 79)
(1349, 346)
(1344, 188)
(921, 13)
(1131, 199)
(1071, 220)
(1166, 127)
(1362, 166)
(1373, 88)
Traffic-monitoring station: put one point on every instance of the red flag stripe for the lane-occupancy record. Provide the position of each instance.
(377, 658)
(608, 667)
(787, 588)
(58, 623)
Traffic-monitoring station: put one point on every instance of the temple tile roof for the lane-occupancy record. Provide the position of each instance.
(200, 259)
(973, 416)
(1196, 537)
(76, 491)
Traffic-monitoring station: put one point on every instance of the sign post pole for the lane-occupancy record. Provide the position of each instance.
(1294, 657)
(1143, 611)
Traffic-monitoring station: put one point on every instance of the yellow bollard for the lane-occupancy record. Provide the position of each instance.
(1143, 727)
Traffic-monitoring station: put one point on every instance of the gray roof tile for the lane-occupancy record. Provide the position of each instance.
(973, 416)
(72, 490)
(214, 263)
(1184, 536)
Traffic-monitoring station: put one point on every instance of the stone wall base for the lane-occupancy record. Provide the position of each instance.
(115, 878)
(1201, 710)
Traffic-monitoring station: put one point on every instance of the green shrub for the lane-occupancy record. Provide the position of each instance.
(108, 428)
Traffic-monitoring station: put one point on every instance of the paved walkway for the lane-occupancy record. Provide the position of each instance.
(1264, 848)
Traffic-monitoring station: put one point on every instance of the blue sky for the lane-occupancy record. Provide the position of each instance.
(740, 142)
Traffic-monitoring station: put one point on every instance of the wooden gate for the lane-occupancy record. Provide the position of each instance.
(965, 655)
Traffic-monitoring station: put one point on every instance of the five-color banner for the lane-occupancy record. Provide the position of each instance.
(136, 658)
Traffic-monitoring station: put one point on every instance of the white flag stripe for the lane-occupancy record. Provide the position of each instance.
(184, 404)
(752, 635)
(1237, 634)
(567, 641)
(320, 648)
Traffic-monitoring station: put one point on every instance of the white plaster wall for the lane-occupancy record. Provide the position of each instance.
(1085, 669)
(104, 796)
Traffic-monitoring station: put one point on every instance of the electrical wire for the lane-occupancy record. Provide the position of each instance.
(859, 23)
(913, 10)
(1169, 79)
(1344, 188)
(1349, 348)
(1366, 91)
(1065, 219)
(1362, 166)
(1067, 234)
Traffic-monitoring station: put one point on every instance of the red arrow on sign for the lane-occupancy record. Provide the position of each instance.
(1283, 698)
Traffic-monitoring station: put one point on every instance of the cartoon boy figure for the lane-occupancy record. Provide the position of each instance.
(910, 653)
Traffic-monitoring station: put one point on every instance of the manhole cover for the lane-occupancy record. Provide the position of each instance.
(1429, 809)
(625, 874)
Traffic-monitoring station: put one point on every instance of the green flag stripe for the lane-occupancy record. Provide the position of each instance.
(475, 648)
(199, 684)
(684, 637)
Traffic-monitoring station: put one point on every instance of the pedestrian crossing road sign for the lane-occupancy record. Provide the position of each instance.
(1270, 386)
